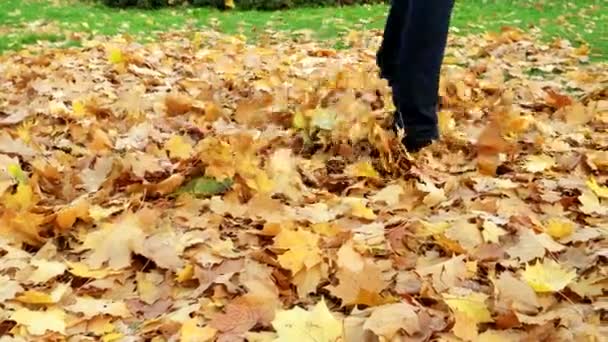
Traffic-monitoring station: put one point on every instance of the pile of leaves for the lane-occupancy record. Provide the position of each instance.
(202, 188)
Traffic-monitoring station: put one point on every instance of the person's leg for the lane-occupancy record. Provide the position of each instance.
(388, 54)
(416, 86)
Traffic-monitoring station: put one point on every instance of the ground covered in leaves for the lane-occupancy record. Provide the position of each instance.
(205, 189)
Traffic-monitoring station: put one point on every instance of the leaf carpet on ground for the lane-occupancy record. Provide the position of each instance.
(224, 191)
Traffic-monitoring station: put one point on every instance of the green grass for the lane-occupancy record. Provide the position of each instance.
(24, 22)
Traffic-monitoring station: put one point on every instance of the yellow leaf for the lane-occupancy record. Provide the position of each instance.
(302, 249)
(599, 190)
(22, 199)
(547, 276)
(358, 208)
(307, 280)
(80, 269)
(178, 147)
(491, 232)
(46, 270)
(185, 274)
(111, 337)
(326, 229)
(299, 121)
(115, 56)
(78, 109)
(446, 121)
(92, 307)
(363, 169)
(539, 163)
(39, 322)
(591, 204)
(38, 297)
(465, 327)
(427, 229)
(191, 332)
(297, 324)
(229, 4)
(472, 304)
(559, 228)
(114, 243)
(148, 291)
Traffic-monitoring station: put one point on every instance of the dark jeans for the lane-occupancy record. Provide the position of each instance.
(410, 59)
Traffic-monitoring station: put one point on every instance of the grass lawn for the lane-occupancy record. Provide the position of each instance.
(25, 22)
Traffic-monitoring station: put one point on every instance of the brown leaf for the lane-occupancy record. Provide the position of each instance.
(178, 104)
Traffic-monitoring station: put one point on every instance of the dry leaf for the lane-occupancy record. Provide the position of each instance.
(547, 276)
(387, 320)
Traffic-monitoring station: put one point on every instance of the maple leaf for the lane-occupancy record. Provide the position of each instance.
(164, 249)
(93, 178)
(39, 322)
(191, 331)
(547, 276)
(559, 228)
(91, 307)
(8, 288)
(539, 163)
(589, 287)
(301, 247)
(387, 320)
(389, 195)
(67, 216)
(114, 243)
(46, 270)
(283, 171)
(315, 325)
(205, 186)
(178, 104)
(362, 287)
(470, 303)
(39, 297)
(599, 190)
(179, 147)
(519, 293)
(591, 204)
(491, 232)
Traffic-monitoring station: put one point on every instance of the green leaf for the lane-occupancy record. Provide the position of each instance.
(206, 186)
(15, 171)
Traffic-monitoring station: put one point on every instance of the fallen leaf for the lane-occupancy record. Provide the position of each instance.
(599, 190)
(491, 232)
(91, 307)
(298, 324)
(519, 293)
(386, 320)
(301, 247)
(39, 322)
(191, 331)
(179, 147)
(389, 195)
(114, 243)
(539, 163)
(472, 304)
(547, 276)
(46, 270)
(8, 288)
(559, 228)
(92, 179)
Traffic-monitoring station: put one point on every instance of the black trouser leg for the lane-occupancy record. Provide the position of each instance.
(416, 85)
(388, 54)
